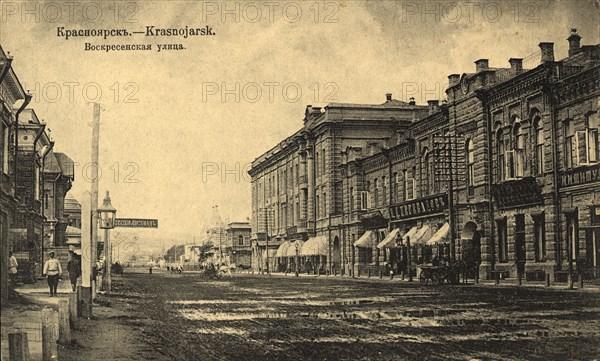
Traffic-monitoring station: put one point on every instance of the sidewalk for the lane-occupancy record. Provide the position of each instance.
(25, 313)
(509, 282)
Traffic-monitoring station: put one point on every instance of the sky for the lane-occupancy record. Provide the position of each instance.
(179, 128)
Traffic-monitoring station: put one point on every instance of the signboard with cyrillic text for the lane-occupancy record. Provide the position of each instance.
(136, 223)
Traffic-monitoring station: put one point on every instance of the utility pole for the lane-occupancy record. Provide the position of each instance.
(87, 264)
(95, 181)
(267, 238)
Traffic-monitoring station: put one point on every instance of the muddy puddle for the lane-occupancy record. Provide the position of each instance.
(372, 315)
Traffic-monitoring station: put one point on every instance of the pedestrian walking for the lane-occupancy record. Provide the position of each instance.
(74, 268)
(53, 270)
(12, 268)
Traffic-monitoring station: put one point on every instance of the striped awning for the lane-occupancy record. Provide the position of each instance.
(390, 240)
(367, 240)
(440, 236)
(421, 235)
(316, 246)
(411, 232)
(282, 250)
(291, 250)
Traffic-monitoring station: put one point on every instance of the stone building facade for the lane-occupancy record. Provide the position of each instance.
(503, 175)
(297, 186)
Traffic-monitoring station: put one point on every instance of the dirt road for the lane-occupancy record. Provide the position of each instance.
(185, 317)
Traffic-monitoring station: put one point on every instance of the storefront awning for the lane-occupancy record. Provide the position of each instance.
(367, 240)
(420, 236)
(411, 232)
(316, 246)
(282, 250)
(291, 250)
(440, 235)
(390, 240)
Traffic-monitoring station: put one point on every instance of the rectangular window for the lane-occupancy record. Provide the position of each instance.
(316, 164)
(539, 234)
(317, 206)
(325, 212)
(323, 161)
(581, 148)
(351, 199)
(365, 200)
(3, 147)
(383, 191)
(410, 189)
(593, 154)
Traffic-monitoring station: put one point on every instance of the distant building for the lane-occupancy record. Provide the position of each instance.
(238, 246)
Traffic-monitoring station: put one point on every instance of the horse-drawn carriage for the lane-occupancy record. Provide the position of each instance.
(440, 274)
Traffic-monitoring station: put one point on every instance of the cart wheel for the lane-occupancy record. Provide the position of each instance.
(423, 278)
(437, 279)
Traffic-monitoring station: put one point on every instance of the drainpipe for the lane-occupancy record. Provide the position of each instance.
(16, 152)
(483, 97)
(46, 151)
(557, 204)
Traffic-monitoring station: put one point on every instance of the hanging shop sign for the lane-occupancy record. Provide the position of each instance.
(373, 219)
(516, 193)
(136, 223)
(579, 176)
(419, 207)
(595, 220)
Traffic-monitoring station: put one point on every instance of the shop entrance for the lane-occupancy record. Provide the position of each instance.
(592, 245)
(336, 255)
(520, 255)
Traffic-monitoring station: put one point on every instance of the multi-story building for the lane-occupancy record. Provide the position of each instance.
(297, 193)
(503, 175)
(32, 148)
(11, 94)
(33, 180)
(238, 247)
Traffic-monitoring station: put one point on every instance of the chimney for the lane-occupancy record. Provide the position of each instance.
(547, 52)
(481, 64)
(411, 101)
(388, 97)
(453, 79)
(574, 42)
(433, 106)
(516, 64)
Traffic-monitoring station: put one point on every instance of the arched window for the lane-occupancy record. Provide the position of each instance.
(470, 150)
(376, 192)
(501, 161)
(539, 145)
(518, 151)
(425, 173)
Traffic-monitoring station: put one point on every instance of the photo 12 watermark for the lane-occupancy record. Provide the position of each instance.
(269, 92)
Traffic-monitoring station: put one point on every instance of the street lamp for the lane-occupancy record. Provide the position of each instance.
(107, 222)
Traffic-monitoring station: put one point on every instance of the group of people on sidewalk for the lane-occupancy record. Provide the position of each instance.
(52, 270)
